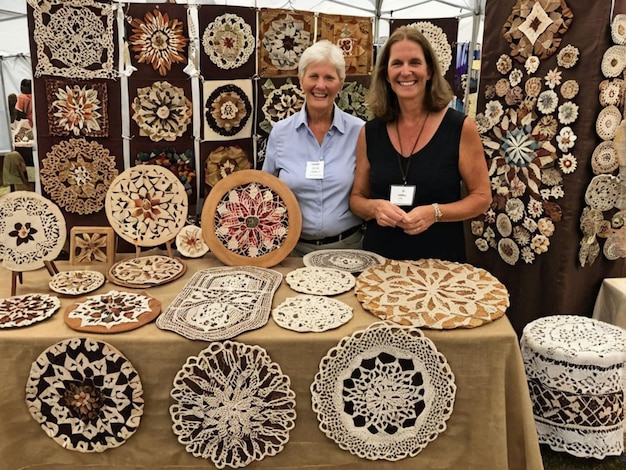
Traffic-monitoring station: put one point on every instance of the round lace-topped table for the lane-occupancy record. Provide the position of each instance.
(575, 370)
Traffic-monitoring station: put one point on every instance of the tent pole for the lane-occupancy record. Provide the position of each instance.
(470, 59)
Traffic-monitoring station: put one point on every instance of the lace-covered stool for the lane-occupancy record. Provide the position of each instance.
(575, 370)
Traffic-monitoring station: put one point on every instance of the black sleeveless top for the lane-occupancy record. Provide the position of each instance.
(434, 171)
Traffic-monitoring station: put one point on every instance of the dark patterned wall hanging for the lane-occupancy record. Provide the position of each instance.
(354, 36)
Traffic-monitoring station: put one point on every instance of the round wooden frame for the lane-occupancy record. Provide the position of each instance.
(230, 183)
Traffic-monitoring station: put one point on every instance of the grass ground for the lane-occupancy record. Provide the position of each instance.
(563, 461)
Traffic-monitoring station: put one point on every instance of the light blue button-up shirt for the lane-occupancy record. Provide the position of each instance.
(324, 203)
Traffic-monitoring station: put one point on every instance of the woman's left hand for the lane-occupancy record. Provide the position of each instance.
(418, 220)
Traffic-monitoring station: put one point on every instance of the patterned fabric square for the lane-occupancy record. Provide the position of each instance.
(283, 37)
(77, 108)
(227, 109)
(74, 38)
(281, 99)
(353, 35)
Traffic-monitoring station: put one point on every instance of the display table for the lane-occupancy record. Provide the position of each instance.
(610, 304)
(491, 427)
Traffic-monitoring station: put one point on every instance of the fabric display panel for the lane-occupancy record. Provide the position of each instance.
(283, 37)
(541, 70)
(79, 144)
(442, 35)
(354, 36)
(220, 159)
(352, 96)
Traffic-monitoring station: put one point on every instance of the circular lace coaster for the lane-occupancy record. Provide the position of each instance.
(604, 158)
(603, 192)
(353, 261)
(24, 310)
(76, 282)
(613, 61)
(32, 230)
(112, 312)
(251, 218)
(189, 242)
(608, 120)
(306, 313)
(618, 29)
(147, 205)
(320, 281)
(432, 293)
(85, 394)
(233, 405)
(384, 392)
(146, 271)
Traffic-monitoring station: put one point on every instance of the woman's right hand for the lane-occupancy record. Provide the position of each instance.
(387, 214)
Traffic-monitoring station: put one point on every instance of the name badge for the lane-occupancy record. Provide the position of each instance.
(314, 170)
(402, 195)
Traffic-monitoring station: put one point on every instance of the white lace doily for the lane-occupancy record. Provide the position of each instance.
(233, 405)
(432, 293)
(320, 281)
(314, 313)
(352, 261)
(24, 310)
(220, 303)
(146, 271)
(384, 392)
(575, 368)
(76, 282)
(112, 312)
(85, 394)
(32, 230)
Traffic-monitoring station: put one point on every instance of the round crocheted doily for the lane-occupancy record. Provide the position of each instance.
(384, 392)
(314, 313)
(85, 394)
(352, 261)
(432, 293)
(233, 405)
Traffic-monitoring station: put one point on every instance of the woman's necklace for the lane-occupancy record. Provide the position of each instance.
(405, 171)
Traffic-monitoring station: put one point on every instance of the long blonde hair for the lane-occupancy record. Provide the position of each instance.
(382, 100)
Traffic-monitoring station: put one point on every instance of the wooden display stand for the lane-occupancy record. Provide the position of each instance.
(17, 275)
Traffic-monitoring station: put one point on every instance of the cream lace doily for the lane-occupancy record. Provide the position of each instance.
(384, 392)
(220, 303)
(320, 281)
(146, 271)
(85, 395)
(432, 293)
(352, 261)
(233, 405)
(76, 282)
(24, 310)
(190, 243)
(311, 313)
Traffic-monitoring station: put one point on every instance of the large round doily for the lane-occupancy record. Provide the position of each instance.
(384, 392)
(353, 261)
(220, 303)
(432, 293)
(76, 282)
(311, 313)
(320, 281)
(85, 394)
(147, 205)
(32, 230)
(24, 310)
(112, 312)
(146, 271)
(233, 405)
(251, 218)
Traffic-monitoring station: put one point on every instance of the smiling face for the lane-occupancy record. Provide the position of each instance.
(407, 70)
(320, 84)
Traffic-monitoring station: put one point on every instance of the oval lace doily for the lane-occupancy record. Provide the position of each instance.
(146, 271)
(147, 205)
(32, 230)
(85, 394)
(251, 218)
(233, 405)
(112, 312)
(24, 310)
(76, 282)
(432, 293)
(384, 392)
(311, 313)
(352, 261)
(320, 281)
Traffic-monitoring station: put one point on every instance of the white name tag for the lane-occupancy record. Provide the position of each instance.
(402, 195)
(315, 170)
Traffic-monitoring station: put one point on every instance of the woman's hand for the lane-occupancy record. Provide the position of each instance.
(418, 220)
(387, 214)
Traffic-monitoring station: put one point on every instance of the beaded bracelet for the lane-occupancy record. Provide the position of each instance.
(438, 213)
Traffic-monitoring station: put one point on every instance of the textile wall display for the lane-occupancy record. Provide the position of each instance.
(537, 110)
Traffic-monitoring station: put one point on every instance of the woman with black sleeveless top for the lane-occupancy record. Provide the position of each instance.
(420, 168)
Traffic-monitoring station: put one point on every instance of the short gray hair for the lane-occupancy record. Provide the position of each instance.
(323, 51)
